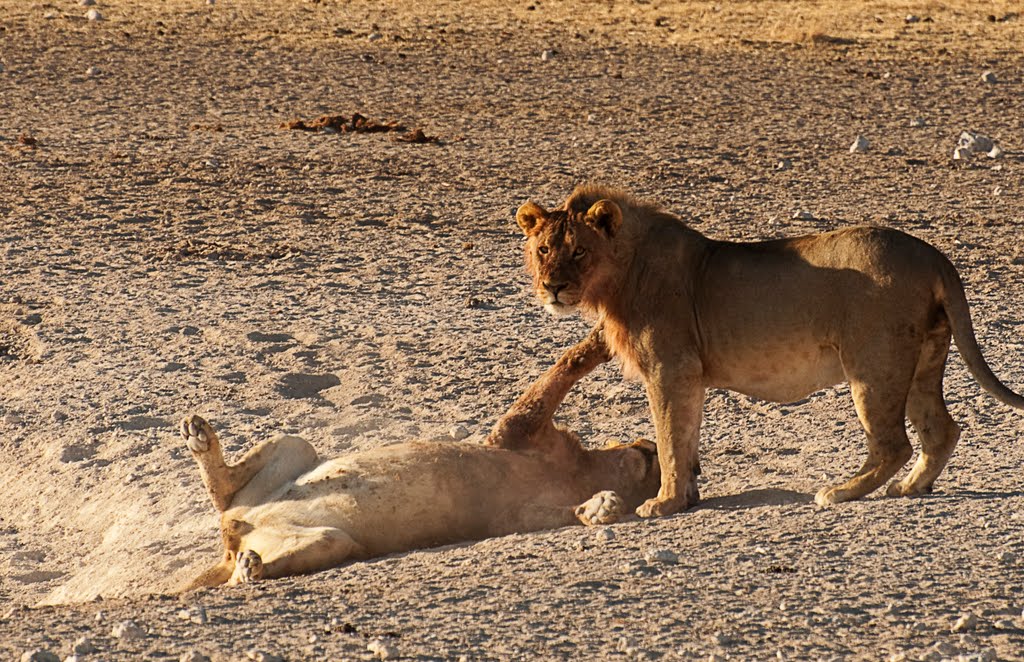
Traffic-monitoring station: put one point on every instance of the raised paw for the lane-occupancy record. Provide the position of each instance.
(248, 567)
(603, 508)
(197, 433)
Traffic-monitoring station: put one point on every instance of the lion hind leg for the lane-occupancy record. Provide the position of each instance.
(292, 550)
(882, 415)
(926, 409)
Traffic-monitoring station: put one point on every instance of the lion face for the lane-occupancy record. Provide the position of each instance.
(568, 252)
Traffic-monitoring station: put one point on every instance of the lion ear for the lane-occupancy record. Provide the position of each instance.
(529, 217)
(605, 216)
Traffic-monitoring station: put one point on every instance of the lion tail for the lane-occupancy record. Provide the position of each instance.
(954, 302)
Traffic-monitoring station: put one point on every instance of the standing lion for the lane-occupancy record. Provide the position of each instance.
(776, 320)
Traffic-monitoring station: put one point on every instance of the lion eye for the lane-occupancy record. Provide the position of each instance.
(543, 250)
(579, 252)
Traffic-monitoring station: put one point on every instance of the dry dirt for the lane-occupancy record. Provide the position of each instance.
(167, 247)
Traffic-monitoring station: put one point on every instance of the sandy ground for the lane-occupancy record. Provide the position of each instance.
(168, 248)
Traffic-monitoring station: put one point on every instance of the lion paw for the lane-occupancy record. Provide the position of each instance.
(603, 508)
(248, 567)
(197, 433)
(660, 507)
(901, 488)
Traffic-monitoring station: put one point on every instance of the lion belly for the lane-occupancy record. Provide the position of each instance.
(417, 495)
(783, 375)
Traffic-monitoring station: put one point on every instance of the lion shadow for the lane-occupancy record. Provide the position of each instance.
(755, 499)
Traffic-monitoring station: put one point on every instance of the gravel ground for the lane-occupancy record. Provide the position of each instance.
(168, 247)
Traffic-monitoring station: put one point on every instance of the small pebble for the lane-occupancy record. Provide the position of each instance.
(374, 36)
(945, 649)
(918, 122)
(127, 630)
(87, 3)
(803, 215)
(94, 15)
(912, 18)
(860, 145)
(547, 55)
(964, 623)
(382, 650)
(458, 432)
(995, 153)
(1005, 624)
(193, 656)
(92, 71)
(661, 556)
(83, 646)
(988, 77)
(784, 164)
(263, 656)
(604, 534)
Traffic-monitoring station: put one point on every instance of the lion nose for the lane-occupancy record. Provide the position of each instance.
(554, 288)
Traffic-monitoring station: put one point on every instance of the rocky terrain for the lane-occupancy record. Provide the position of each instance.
(169, 246)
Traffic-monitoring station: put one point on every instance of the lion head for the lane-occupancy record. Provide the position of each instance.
(569, 250)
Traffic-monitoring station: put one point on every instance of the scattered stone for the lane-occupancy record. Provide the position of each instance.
(604, 534)
(374, 36)
(860, 145)
(354, 123)
(458, 432)
(92, 71)
(995, 153)
(1, 67)
(83, 646)
(418, 137)
(912, 18)
(971, 143)
(626, 645)
(945, 649)
(803, 215)
(39, 655)
(661, 556)
(784, 164)
(196, 615)
(1005, 624)
(194, 655)
(898, 657)
(988, 77)
(87, 3)
(211, 2)
(263, 656)
(547, 55)
(127, 630)
(965, 623)
(93, 15)
(721, 639)
(918, 122)
(382, 649)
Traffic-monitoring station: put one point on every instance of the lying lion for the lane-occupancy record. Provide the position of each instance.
(776, 320)
(286, 512)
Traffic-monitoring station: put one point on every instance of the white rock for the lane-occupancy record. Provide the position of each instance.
(374, 36)
(382, 650)
(988, 76)
(83, 646)
(211, 2)
(860, 145)
(193, 656)
(912, 18)
(87, 3)
(1005, 624)
(458, 432)
(945, 649)
(898, 657)
(92, 71)
(604, 534)
(964, 623)
(94, 15)
(127, 630)
(263, 656)
(547, 55)
(783, 164)
(918, 122)
(971, 143)
(803, 215)
(995, 152)
(661, 556)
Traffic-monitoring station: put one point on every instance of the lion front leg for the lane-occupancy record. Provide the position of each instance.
(537, 405)
(677, 407)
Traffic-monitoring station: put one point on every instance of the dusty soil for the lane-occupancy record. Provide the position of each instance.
(167, 247)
